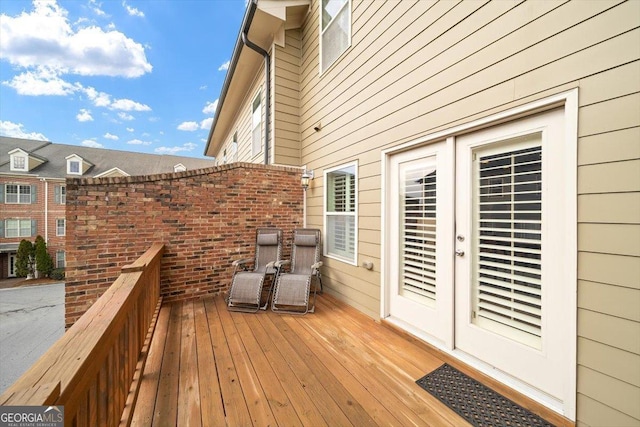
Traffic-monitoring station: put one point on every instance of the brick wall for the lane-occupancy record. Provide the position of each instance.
(206, 218)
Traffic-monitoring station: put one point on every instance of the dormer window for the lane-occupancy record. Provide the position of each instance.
(19, 163)
(179, 168)
(76, 165)
(22, 161)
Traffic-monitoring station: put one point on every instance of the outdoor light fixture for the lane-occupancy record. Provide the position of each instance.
(306, 177)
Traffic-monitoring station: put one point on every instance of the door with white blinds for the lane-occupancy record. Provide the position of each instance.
(509, 292)
(419, 291)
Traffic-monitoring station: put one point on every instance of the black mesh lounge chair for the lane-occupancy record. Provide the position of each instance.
(245, 293)
(292, 289)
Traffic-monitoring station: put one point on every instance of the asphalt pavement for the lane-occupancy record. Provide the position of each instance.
(31, 320)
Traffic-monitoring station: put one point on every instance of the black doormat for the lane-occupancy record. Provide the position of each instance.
(475, 402)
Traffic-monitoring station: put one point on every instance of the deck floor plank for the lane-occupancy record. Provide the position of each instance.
(336, 367)
(234, 404)
(165, 412)
(276, 374)
(210, 393)
(145, 404)
(189, 389)
(302, 368)
(254, 395)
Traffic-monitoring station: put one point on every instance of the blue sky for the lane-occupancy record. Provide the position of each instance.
(128, 75)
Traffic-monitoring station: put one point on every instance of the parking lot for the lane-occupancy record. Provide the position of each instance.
(31, 320)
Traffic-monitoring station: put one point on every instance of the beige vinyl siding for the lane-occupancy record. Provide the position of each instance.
(286, 100)
(242, 125)
(417, 67)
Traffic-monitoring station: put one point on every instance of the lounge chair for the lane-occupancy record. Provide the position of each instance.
(245, 293)
(292, 289)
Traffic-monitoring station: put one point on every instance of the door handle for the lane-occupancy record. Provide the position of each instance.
(459, 252)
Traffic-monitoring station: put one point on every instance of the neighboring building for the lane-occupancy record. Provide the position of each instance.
(484, 156)
(32, 188)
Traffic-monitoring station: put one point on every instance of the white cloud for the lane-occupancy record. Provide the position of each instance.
(128, 105)
(130, 129)
(206, 123)
(132, 10)
(91, 143)
(96, 7)
(84, 116)
(99, 99)
(45, 37)
(224, 66)
(188, 126)
(111, 136)
(189, 146)
(203, 87)
(16, 130)
(210, 107)
(125, 116)
(138, 142)
(42, 81)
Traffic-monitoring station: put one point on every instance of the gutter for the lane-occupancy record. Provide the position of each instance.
(240, 42)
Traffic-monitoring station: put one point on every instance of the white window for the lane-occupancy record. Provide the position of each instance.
(234, 147)
(60, 259)
(61, 194)
(17, 228)
(335, 30)
(18, 163)
(256, 127)
(73, 167)
(341, 216)
(16, 193)
(61, 227)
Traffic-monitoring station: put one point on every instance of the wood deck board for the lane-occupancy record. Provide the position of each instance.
(337, 367)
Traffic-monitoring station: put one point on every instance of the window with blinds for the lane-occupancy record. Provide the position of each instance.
(418, 232)
(340, 213)
(508, 232)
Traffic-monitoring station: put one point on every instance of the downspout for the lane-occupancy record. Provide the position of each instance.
(267, 72)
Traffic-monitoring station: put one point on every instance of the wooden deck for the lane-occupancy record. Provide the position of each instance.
(336, 367)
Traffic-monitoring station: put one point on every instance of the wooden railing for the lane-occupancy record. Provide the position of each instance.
(94, 369)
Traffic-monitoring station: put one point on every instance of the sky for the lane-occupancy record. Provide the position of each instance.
(129, 75)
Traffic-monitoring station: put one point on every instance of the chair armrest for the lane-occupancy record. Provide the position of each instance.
(241, 261)
(279, 264)
(317, 265)
(272, 264)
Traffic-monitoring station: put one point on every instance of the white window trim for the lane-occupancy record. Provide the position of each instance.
(569, 101)
(353, 164)
(64, 227)
(18, 202)
(20, 220)
(255, 153)
(72, 161)
(25, 158)
(321, 33)
(64, 259)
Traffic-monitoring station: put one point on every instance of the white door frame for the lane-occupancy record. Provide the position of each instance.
(568, 101)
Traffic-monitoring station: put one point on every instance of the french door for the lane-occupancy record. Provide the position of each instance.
(477, 249)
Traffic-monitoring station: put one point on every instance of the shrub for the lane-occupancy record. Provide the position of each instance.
(25, 259)
(57, 274)
(44, 263)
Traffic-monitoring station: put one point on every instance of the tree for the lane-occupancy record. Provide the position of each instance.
(44, 263)
(25, 258)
